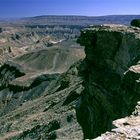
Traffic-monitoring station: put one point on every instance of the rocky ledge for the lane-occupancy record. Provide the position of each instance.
(127, 128)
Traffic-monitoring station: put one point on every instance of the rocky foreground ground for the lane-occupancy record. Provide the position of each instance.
(102, 88)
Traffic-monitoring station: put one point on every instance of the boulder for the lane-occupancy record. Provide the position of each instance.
(135, 22)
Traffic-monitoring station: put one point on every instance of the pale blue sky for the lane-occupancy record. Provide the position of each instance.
(25, 8)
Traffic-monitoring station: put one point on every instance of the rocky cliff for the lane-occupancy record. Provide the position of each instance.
(88, 98)
(111, 78)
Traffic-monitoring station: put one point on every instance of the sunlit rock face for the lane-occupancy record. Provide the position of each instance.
(111, 82)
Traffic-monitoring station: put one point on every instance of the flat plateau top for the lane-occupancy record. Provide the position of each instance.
(113, 28)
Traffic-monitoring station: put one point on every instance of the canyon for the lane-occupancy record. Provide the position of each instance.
(53, 88)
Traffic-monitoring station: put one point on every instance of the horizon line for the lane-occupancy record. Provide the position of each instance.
(68, 15)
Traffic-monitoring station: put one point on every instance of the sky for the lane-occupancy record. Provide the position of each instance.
(28, 8)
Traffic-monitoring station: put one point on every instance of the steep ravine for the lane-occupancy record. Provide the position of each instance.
(111, 82)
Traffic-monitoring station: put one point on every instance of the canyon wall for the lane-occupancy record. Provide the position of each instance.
(111, 77)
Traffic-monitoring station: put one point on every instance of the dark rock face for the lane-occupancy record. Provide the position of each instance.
(109, 47)
(135, 22)
(1, 30)
(111, 85)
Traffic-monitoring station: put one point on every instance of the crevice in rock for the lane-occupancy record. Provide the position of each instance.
(71, 97)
